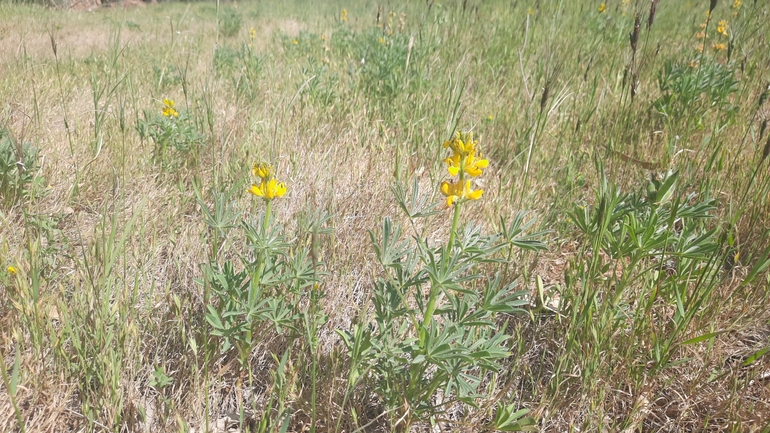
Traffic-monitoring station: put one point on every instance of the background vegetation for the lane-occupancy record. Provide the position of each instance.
(612, 277)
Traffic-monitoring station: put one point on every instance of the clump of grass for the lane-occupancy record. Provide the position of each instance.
(381, 288)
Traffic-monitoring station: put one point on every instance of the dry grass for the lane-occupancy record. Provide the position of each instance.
(492, 61)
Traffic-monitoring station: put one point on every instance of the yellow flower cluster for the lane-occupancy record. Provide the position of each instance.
(602, 8)
(344, 15)
(268, 188)
(11, 270)
(465, 162)
(252, 33)
(722, 28)
(168, 108)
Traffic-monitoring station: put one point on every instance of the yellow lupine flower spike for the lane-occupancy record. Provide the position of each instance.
(451, 191)
(263, 171)
(268, 190)
(454, 191)
(168, 109)
(470, 194)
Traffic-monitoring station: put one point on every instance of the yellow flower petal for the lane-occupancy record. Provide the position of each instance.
(446, 188)
(256, 190)
(280, 189)
(475, 195)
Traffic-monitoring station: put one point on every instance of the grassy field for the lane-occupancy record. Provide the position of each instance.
(273, 216)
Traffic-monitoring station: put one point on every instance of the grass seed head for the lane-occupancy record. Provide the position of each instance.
(634, 36)
(653, 10)
(766, 151)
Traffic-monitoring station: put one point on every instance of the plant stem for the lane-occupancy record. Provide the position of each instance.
(433, 289)
(268, 211)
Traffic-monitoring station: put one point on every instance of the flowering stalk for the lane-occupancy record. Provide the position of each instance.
(268, 189)
(466, 162)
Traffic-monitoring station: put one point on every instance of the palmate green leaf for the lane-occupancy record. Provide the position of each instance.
(390, 250)
(478, 248)
(213, 318)
(504, 300)
(513, 233)
(507, 418)
(416, 206)
(224, 215)
(667, 188)
(447, 274)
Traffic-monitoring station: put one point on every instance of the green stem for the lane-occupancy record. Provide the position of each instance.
(314, 356)
(268, 211)
(433, 288)
(452, 234)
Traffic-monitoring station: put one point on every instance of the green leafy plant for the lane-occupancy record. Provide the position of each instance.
(688, 92)
(647, 255)
(175, 135)
(18, 169)
(230, 22)
(265, 297)
(435, 336)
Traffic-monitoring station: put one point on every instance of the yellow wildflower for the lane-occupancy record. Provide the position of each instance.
(381, 40)
(294, 41)
(470, 165)
(462, 143)
(12, 270)
(252, 33)
(323, 37)
(722, 28)
(719, 47)
(463, 163)
(168, 109)
(602, 8)
(263, 171)
(344, 15)
(737, 4)
(454, 191)
(268, 189)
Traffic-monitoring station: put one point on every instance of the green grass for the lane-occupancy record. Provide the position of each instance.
(143, 289)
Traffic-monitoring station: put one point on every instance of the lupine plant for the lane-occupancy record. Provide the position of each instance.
(264, 298)
(174, 134)
(434, 339)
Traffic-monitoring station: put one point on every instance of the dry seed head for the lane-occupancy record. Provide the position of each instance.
(53, 44)
(651, 17)
(763, 96)
(544, 97)
(635, 34)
